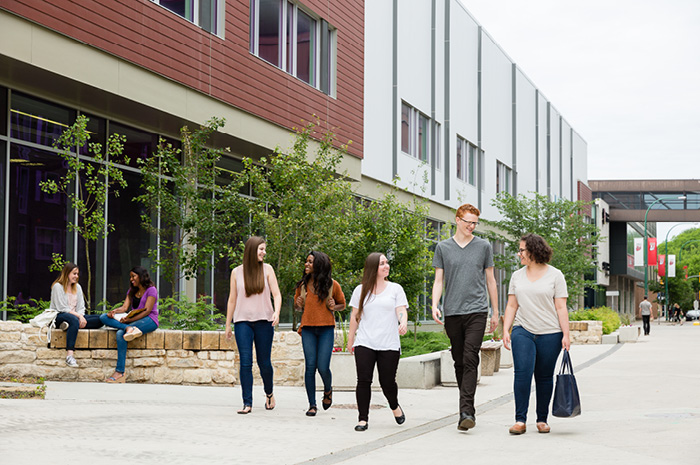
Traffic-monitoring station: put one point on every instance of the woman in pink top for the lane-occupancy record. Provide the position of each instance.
(254, 319)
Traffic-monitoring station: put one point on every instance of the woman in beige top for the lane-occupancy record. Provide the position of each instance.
(254, 318)
(537, 312)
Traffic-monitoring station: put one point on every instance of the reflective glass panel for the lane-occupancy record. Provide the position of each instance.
(128, 244)
(306, 46)
(36, 121)
(37, 226)
(269, 31)
(139, 144)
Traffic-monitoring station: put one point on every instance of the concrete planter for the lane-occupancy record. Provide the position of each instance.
(629, 333)
(490, 357)
(506, 358)
(418, 372)
(447, 369)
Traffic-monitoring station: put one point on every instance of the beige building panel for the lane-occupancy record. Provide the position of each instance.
(15, 37)
(150, 89)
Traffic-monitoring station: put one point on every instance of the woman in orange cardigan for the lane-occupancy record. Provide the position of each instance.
(318, 295)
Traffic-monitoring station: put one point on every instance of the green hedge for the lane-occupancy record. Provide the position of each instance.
(609, 317)
(425, 343)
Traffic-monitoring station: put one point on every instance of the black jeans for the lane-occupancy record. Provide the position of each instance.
(387, 363)
(93, 322)
(645, 320)
(466, 333)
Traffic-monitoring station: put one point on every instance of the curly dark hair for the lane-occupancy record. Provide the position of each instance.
(321, 275)
(537, 247)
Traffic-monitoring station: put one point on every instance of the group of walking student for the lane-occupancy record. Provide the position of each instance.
(535, 324)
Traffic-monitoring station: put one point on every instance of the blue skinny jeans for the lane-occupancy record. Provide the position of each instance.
(317, 342)
(261, 333)
(534, 354)
(146, 325)
(93, 322)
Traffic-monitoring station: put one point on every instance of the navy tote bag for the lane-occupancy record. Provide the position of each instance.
(567, 403)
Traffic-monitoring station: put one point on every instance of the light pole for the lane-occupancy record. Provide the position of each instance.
(666, 299)
(646, 246)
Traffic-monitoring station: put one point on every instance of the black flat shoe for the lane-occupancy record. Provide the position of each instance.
(327, 400)
(466, 421)
(362, 427)
(312, 411)
(401, 418)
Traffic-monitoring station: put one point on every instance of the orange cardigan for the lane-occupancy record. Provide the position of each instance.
(316, 312)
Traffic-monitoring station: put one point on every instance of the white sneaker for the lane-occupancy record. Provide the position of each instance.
(64, 326)
(70, 361)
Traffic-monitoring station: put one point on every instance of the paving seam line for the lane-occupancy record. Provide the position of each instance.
(352, 452)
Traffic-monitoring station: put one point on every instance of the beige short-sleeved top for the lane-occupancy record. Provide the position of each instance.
(536, 311)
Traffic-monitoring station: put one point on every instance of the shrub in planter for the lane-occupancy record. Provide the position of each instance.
(609, 317)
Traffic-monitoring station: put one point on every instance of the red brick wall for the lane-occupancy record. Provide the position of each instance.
(156, 39)
(585, 195)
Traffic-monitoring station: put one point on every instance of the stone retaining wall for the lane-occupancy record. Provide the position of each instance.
(164, 356)
(586, 332)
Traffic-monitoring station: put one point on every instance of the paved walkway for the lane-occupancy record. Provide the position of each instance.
(641, 405)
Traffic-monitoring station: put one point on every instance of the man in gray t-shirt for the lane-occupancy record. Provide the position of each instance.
(645, 308)
(464, 264)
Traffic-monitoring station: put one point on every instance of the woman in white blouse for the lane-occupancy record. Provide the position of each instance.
(537, 312)
(379, 316)
(67, 299)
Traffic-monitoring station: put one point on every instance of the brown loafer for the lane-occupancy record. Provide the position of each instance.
(518, 428)
(543, 428)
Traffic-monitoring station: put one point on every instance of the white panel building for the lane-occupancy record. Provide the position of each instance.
(443, 101)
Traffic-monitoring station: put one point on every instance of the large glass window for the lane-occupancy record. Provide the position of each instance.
(36, 121)
(504, 178)
(206, 14)
(37, 226)
(128, 244)
(294, 40)
(139, 144)
(415, 133)
(3, 113)
(466, 161)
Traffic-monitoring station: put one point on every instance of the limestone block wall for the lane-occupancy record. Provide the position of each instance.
(164, 356)
(586, 332)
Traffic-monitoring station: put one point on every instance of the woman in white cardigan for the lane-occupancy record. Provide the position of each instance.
(67, 298)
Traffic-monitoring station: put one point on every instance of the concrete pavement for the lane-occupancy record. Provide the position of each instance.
(640, 405)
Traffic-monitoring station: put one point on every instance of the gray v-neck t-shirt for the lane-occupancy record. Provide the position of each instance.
(464, 275)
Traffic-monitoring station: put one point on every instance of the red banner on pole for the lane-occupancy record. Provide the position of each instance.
(651, 252)
(662, 266)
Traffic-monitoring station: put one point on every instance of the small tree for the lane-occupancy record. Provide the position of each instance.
(398, 230)
(198, 215)
(561, 223)
(87, 184)
(301, 204)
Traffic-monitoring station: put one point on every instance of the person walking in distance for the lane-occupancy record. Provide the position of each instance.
(464, 264)
(645, 308)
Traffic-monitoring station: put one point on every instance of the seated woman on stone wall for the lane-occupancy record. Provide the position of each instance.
(141, 303)
(67, 299)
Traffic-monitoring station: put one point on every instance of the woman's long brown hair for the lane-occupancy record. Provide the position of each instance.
(253, 275)
(64, 277)
(369, 279)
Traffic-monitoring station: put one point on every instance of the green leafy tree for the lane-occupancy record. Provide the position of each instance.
(301, 204)
(680, 290)
(561, 223)
(199, 207)
(398, 230)
(87, 184)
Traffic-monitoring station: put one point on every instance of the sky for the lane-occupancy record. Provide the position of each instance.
(624, 73)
